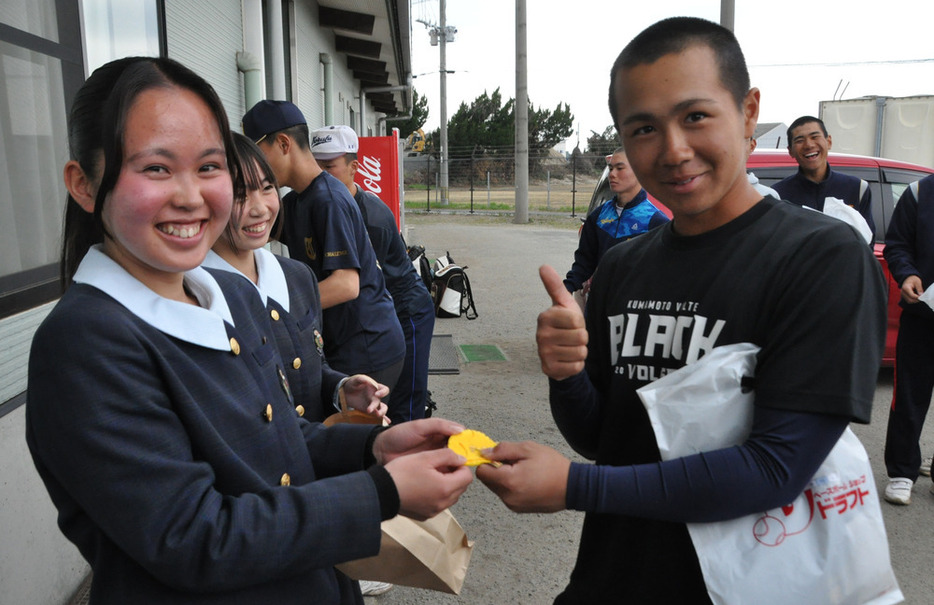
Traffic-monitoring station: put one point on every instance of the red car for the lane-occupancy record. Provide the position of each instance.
(887, 179)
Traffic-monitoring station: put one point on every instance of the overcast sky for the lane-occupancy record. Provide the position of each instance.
(799, 52)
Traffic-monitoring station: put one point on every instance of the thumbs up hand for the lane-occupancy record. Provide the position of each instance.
(561, 334)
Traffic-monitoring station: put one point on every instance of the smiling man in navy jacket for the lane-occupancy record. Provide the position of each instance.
(809, 143)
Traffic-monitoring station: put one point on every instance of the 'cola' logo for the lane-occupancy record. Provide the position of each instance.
(369, 168)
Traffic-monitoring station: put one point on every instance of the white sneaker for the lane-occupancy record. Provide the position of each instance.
(898, 491)
(925, 467)
(371, 589)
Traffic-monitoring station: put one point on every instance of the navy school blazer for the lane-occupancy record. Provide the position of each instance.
(183, 473)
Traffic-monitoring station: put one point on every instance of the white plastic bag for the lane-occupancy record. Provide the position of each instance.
(827, 547)
(928, 297)
(836, 208)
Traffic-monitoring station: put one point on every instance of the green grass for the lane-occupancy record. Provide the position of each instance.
(420, 206)
(554, 220)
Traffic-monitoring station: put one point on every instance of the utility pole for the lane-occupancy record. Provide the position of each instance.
(522, 117)
(727, 10)
(444, 104)
(440, 36)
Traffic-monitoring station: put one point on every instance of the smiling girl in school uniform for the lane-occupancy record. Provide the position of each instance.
(157, 415)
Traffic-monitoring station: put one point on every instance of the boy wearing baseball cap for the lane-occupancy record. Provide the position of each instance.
(323, 227)
(335, 148)
(332, 142)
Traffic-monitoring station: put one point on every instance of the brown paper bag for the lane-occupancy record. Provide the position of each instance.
(352, 417)
(431, 554)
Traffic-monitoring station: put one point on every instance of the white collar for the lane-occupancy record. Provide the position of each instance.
(202, 326)
(272, 283)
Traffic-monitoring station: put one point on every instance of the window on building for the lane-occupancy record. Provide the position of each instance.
(42, 65)
(114, 29)
(40, 70)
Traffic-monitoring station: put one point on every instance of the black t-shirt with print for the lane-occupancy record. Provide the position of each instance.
(801, 286)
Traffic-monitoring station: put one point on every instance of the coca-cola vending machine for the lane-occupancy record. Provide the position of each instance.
(378, 171)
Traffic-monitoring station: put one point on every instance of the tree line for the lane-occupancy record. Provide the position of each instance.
(486, 127)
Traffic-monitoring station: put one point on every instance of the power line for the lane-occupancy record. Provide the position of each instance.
(426, 10)
(847, 63)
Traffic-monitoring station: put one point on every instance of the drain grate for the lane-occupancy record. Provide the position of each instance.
(482, 353)
(443, 358)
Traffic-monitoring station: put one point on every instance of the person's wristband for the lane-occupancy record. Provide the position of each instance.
(337, 400)
(369, 458)
(569, 384)
(386, 491)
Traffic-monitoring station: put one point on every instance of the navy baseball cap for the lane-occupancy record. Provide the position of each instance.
(267, 117)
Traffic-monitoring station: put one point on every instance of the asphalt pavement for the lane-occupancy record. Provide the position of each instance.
(527, 559)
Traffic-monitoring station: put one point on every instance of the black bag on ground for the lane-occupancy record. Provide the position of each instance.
(450, 290)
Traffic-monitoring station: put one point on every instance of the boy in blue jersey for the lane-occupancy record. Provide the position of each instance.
(627, 214)
(323, 227)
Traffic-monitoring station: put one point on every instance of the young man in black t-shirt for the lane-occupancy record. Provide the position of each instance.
(731, 267)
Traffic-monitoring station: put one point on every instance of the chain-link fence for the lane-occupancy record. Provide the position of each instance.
(556, 183)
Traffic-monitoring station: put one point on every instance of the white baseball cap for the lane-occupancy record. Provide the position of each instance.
(333, 141)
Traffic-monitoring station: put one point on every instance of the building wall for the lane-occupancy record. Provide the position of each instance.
(37, 563)
(206, 36)
(344, 81)
(308, 82)
(310, 42)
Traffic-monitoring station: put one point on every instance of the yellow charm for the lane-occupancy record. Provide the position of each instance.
(469, 443)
